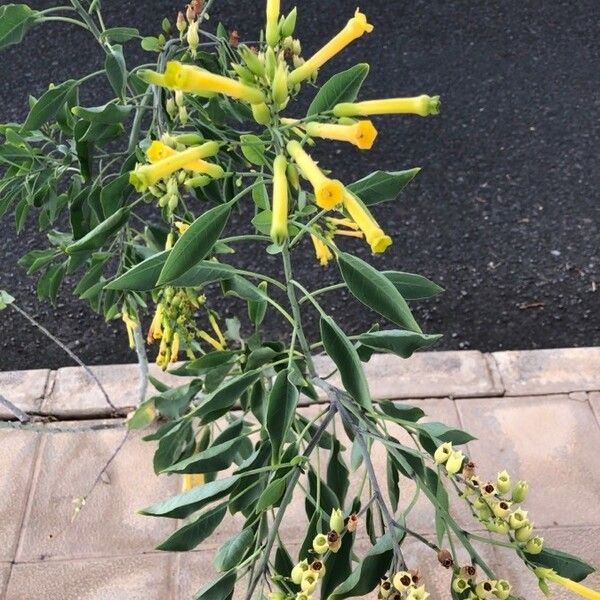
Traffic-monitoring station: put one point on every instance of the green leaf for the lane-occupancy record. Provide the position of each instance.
(151, 44)
(368, 573)
(15, 21)
(183, 505)
(203, 365)
(108, 113)
(566, 565)
(190, 535)
(338, 565)
(342, 87)
(382, 186)
(401, 412)
(95, 238)
(431, 435)
(253, 148)
(346, 359)
(220, 589)
(195, 244)
(116, 70)
(215, 458)
(47, 107)
(413, 287)
(281, 409)
(230, 553)
(271, 494)
(5, 299)
(120, 34)
(143, 276)
(142, 417)
(337, 473)
(375, 291)
(262, 221)
(397, 341)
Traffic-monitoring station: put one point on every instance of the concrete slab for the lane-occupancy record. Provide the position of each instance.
(427, 375)
(4, 575)
(149, 577)
(550, 442)
(17, 458)
(75, 394)
(25, 389)
(594, 398)
(108, 524)
(533, 372)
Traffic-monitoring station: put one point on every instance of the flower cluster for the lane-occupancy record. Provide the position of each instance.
(466, 585)
(404, 585)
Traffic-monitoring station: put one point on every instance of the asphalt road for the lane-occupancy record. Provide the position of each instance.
(504, 214)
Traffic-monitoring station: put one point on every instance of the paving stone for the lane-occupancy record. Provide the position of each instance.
(17, 457)
(582, 542)
(108, 524)
(533, 372)
(25, 389)
(594, 398)
(149, 577)
(427, 375)
(75, 393)
(551, 442)
(4, 575)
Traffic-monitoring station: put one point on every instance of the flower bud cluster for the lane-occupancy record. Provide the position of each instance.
(466, 585)
(403, 585)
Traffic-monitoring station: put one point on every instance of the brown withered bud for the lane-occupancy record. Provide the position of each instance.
(190, 14)
(234, 38)
(334, 541)
(445, 559)
(468, 571)
(469, 470)
(288, 54)
(395, 596)
(386, 585)
(352, 522)
(415, 576)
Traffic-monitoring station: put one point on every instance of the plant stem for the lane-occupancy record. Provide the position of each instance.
(140, 350)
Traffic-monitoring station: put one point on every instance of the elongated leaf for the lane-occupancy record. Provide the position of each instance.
(338, 474)
(195, 244)
(220, 589)
(116, 70)
(413, 287)
(143, 276)
(367, 575)
(382, 186)
(342, 87)
(120, 34)
(431, 435)
(253, 148)
(401, 411)
(95, 238)
(190, 535)
(346, 359)
(397, 341)
(47, 107)
(231, 553)
(375, 291)
(271, 495)
(215, 458)
(281, 408)
(108, 113)
(15, 21)
(566, 565)
(183, 505)
(204, 364)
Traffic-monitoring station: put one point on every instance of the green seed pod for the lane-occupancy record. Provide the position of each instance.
(289, 23)
(252, 60)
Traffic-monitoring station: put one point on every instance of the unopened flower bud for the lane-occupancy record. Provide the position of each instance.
(469, 470)
(336, 521)
(309, 582)
(518, 519)
(289, 23)
(183, 115)
(460, 584)
(277, 596)
(198, 181)
(193, 37)
(279, 88)
(524, 533)
(503, 482)
(298, 572)
(181, 23)
(270, 62)
(501, 509)
(442, 453)
(468, 572)
(445, 558)
(320, 544)
(503, 589)
(252, 60)
(288, 42)
(261, 113)
(179, 98)
(535, 545)
(520, 491)
(485, 588)
(402, 581)
(497, 525)
(173, 202)
(171, 107)
(296, 48)
(454, 462)
(334, 540)
(297, 61)
(418, 593)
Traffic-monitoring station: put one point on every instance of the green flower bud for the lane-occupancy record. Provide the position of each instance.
(320, 544)
(288, 42)
(503, 589)
(198, 181)
(485, 513)
(173, 202)
(518, 519)
(193, 37)
(296, 48)
(289, 23)
(497, 525)
(252, 61)
(243, 73)
(270, 62)
(520, 491)
(292, 175)
(277, 596)
(336, 521)
(261, 113)
(455, 462)
(402, 581)
(171, 107)
(181, 23)
(535, 545)
(183, 115)
(279, 88)
(503, 482)
(189, 139)
(298, 571)
(485, 588)
(524, 533)
(272, 34)
(460, 584)
(501, 509)
(442, 453)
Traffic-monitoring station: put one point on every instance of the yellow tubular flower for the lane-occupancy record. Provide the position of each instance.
(375, 236)
(322, 251)
(159, 151)
(191, 481)
(328, 192)
(147, 175)
(175, 348)
(573, 586)
(189, 78)
(155, 331)
(420, 105)
(362, 134)
(130, 325)
(215, 325)
(279, 223)
(354, 29)
(154, 78)
(272, 27)
(211, 340)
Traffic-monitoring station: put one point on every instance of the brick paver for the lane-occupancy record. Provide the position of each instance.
(25, 389)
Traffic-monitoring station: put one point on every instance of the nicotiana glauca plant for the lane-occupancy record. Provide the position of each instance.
(135, 196)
